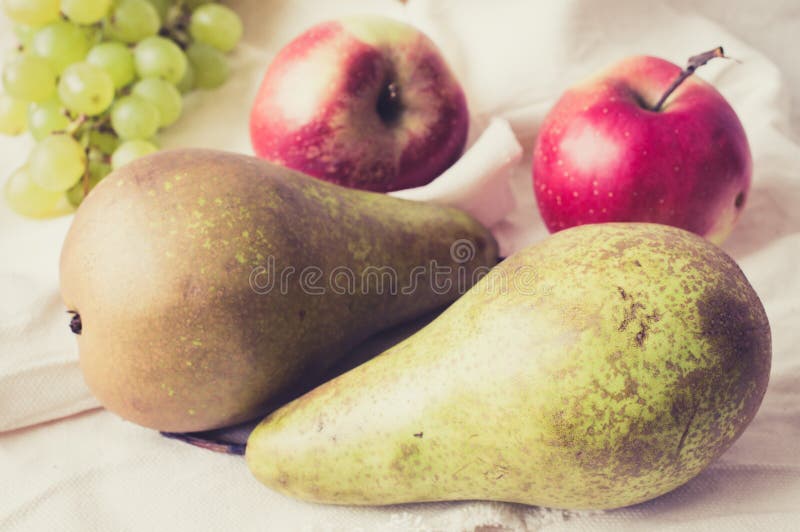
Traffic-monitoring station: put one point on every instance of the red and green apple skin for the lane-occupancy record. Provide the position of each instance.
(365, 102)
(602, 154)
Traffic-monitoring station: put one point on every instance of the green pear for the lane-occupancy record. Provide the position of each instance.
(599, 368)
(206, 286)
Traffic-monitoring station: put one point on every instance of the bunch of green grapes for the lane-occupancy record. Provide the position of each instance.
(94, 80)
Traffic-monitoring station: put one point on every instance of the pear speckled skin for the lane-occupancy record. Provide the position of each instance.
(178, 334)
(600, 368)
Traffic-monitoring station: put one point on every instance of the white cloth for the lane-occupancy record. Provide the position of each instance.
(93, 471)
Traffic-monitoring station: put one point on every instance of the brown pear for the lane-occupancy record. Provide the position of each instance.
(206, 286)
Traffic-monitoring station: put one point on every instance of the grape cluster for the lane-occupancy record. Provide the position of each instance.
(94, 80)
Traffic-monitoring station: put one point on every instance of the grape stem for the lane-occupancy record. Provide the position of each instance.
(74, 126)
(176, 25)
(101, 123)
(85, 178)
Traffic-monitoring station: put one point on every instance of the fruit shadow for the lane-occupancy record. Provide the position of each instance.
(765, 218)
(719, 492)
(232, 440)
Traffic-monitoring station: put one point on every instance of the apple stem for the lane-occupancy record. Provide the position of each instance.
(694, 63)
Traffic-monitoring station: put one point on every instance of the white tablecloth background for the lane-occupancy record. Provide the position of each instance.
(65, 465)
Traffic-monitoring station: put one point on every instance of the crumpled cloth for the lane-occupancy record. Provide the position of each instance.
(66, 465)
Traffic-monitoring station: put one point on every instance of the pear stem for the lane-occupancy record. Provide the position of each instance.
(695, 62)
(75, 324)
(207, 443)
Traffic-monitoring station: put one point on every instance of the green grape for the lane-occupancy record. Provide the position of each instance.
(61, 43)
(102, 142)
(85, 11)
(132, 20)
(46, 117)
(86, 89)
(24, 35)
(216, 25)
(13, 115)
(133, 117)
(210, 66)
(31, 12)
(57, 162)
(29, 78)
(186, 84)
(157, 57)
(116, 59)
(130, 150)
(29, 199)
(163, 95)
(97, 171)
(162, 7)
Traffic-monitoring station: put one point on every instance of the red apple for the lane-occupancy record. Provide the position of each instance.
(605, 154)
(365, 102)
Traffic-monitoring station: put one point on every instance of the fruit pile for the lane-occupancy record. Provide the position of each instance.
(94, 80)
(601, 367)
